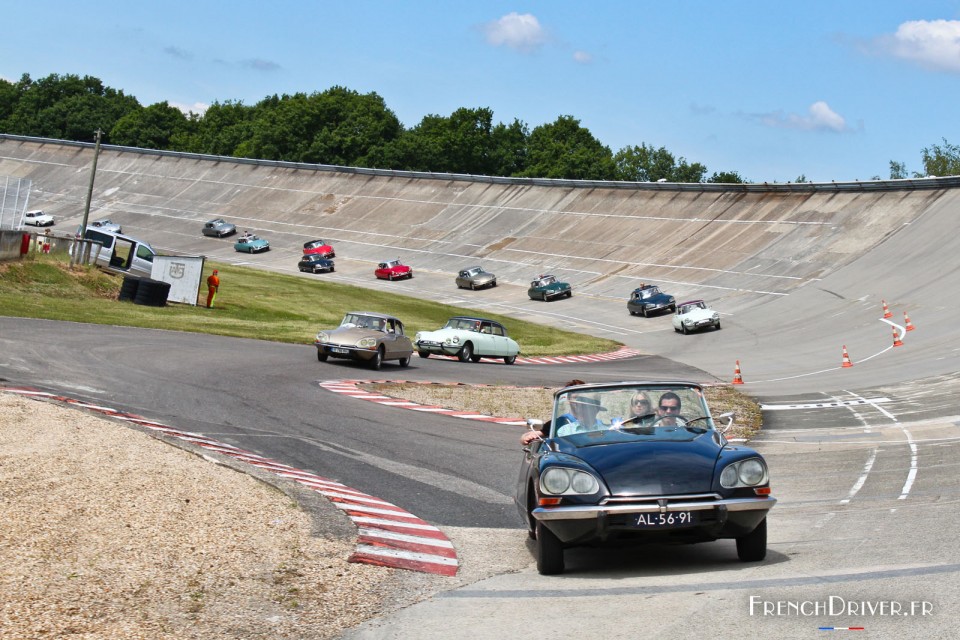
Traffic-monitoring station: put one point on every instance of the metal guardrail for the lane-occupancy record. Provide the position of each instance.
(910, 184)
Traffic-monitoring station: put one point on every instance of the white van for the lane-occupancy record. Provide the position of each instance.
(121, 254)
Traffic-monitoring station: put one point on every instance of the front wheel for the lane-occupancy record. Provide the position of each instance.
(322, 357)
(684, 329)
(570, 293)
(423, 354)
(466, 352)
(753, 546)
(509, 359)
(717, 326)
(475, 358)
(377, 359)
(549, 552)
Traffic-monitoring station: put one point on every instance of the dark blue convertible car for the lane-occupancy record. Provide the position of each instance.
(638, 462)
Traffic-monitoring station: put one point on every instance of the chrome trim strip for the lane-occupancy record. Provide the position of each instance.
(587, 512)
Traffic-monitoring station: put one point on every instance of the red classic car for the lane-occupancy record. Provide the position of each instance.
(318, 247)
(393, 270)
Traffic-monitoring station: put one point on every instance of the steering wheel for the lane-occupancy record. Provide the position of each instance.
(681, 421)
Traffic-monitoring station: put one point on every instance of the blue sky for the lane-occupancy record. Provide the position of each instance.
(832, 90)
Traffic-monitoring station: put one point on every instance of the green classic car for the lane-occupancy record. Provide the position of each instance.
(547, 287)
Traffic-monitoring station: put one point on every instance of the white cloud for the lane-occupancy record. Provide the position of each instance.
(582, 57)
(819, 117)
(934, 44)
(198, 108)
(521, 33)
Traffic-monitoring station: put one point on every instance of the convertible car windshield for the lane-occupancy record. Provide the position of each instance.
(605, 415)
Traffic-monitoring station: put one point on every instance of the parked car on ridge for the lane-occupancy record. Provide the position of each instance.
(106, 225)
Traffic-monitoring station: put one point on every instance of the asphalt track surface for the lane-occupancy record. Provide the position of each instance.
(864, 459)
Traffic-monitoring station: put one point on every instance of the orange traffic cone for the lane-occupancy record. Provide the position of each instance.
(886, 310)
(737, 378)
(846, 357)
(896, 338)
(906, 319)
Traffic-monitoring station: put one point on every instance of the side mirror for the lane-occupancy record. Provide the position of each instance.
(728, 416)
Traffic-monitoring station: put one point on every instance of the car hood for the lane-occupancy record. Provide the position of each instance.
(442, 334)
(351, 336)
(698, 314)
(652, 468)
(556, 286)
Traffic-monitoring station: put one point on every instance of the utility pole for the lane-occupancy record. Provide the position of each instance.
(82, 251)
(93, 174)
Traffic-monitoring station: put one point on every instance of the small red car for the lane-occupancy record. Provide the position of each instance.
(393, 270)
(318, 247)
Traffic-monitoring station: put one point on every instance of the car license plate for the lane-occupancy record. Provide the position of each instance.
(665, 520)
(339, 350)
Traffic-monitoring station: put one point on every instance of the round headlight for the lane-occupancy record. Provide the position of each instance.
(752, 472)
(366, 343)
(584, 483)
(416, 338)
(728, 478)
(555, 481)
(322, 337)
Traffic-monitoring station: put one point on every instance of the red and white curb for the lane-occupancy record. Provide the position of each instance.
(623, 352)
(388, 536)
(352, 389)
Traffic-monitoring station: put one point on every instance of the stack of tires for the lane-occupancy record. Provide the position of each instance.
(152, 293)
(128, 290)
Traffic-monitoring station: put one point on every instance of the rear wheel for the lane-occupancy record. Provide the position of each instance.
(753, 546)
(405, 361)
(466, 352)
(549, 552)
(390, 277)
(377, 359)
(510, 359)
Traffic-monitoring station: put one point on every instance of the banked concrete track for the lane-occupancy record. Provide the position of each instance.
(797, 271)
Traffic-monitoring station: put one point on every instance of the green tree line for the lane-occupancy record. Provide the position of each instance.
(340, 126)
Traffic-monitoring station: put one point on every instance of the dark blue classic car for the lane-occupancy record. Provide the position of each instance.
(315, 263)
(647, 299)
(639, 462)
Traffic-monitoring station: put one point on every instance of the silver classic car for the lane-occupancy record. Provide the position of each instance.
(475, 278)
(218, 228)
(468, 338)
(366, 337)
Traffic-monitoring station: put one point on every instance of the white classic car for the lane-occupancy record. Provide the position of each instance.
(38, 219)
(693, 315)
(468, 338)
